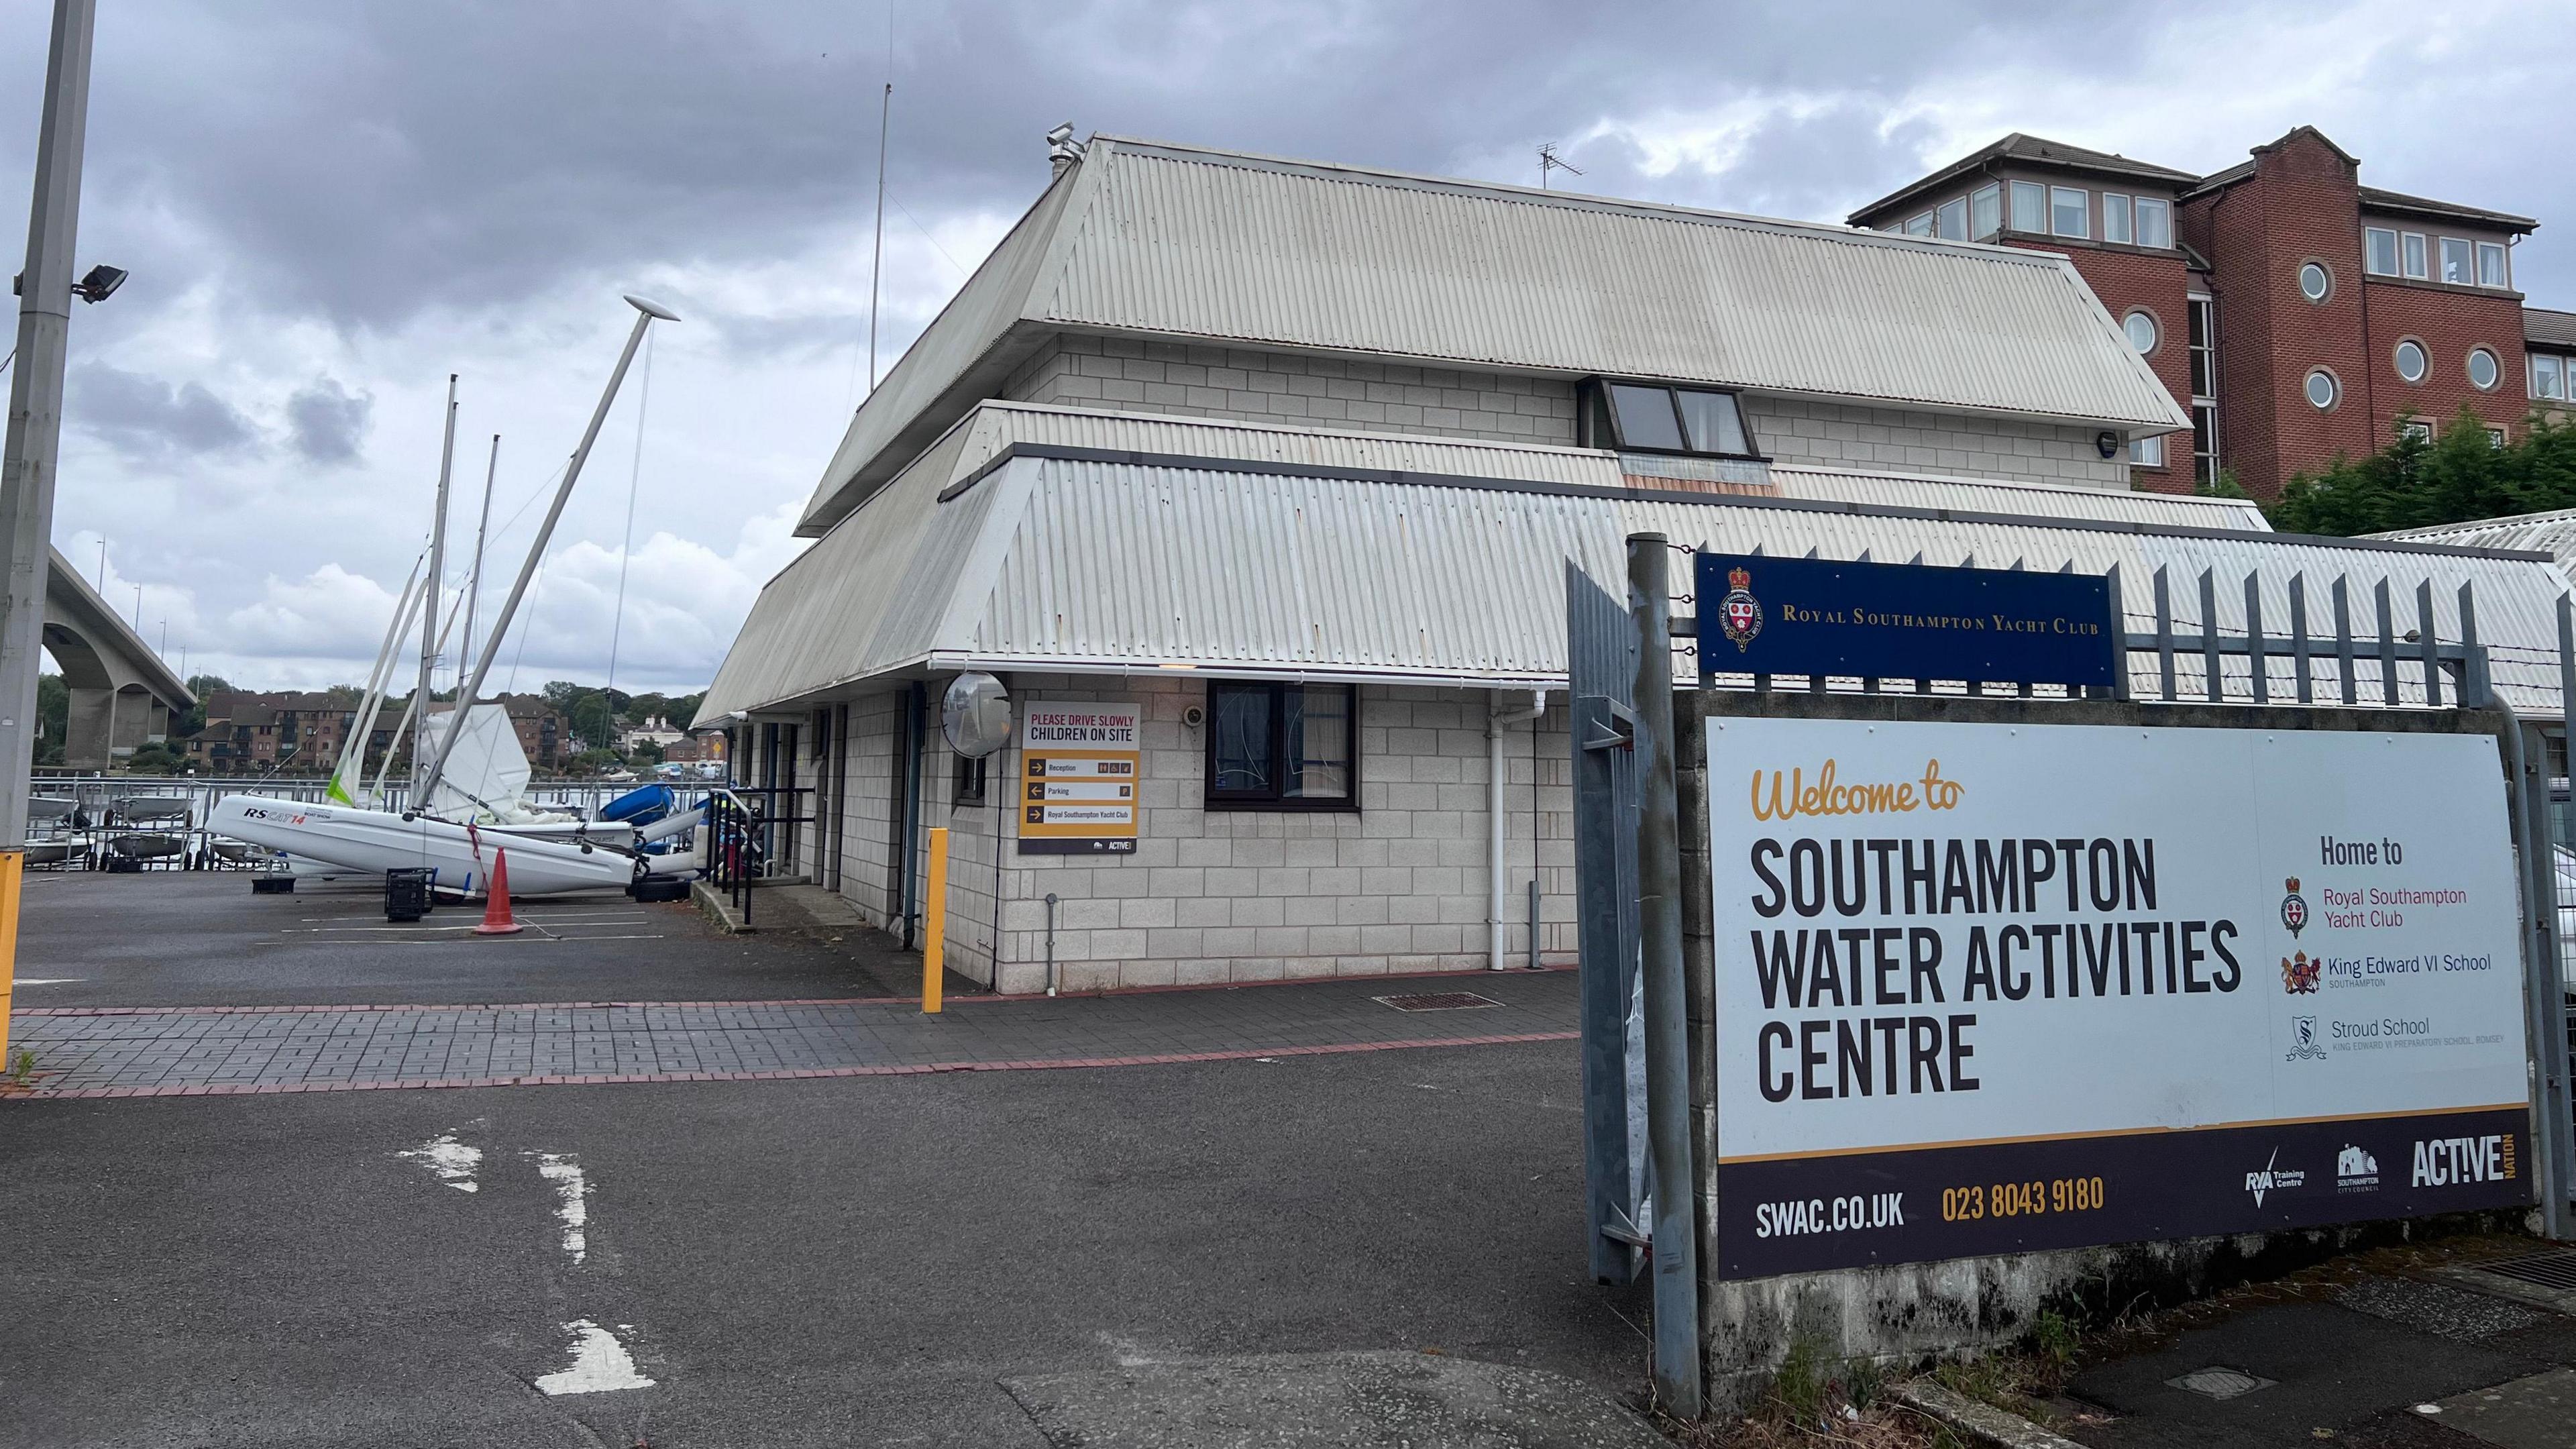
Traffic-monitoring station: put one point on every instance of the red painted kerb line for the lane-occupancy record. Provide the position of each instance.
(1044, 1064)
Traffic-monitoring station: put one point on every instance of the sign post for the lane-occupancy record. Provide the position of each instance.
(2002, 988)
(1903, 621)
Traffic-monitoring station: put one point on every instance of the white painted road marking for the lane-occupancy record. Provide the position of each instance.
(453, 1161)
(600, 1364)
(565, 1173)
(51, 980)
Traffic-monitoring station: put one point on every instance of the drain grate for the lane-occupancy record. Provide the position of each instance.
(2220, 1383)
(1438, 1001)
(2547, 1270)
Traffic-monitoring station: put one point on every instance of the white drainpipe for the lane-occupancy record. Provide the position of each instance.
(1495, 718)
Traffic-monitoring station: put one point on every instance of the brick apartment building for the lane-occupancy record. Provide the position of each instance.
(2295, 312)
(295, 733)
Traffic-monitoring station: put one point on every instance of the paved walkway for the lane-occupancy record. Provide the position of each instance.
(211, 1050)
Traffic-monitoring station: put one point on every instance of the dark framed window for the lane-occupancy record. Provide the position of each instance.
(969, 780)
(1650, 417)
(1273, 746)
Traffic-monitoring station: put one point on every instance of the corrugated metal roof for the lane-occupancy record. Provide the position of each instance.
(995, 427)
(2552, 533)
(1165, 241)
(1087, 564)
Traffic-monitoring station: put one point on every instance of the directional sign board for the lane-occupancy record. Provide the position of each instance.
(1079, 783)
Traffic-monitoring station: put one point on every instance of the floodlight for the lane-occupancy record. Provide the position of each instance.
(99, 283)
(651, 308)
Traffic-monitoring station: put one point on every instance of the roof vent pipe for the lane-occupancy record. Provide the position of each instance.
(1062, 149)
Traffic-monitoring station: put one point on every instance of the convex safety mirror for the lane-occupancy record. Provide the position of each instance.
(975, 715)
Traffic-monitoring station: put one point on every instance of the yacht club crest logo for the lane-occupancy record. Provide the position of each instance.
(2294, 909)
(1739, 615)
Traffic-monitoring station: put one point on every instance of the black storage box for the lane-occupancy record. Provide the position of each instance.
(407, 893)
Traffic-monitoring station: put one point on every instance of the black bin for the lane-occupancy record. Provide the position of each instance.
(407, 893)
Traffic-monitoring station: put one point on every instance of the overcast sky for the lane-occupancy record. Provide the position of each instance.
(330, 205)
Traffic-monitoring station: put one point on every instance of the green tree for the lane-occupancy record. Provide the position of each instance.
(684, 709)
(562, 694)
(2416, 483)
(53, 717)
(593, 722)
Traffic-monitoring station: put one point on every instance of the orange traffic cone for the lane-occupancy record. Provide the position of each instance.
(496, 909)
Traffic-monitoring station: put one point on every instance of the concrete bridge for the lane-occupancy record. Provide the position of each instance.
(122, 695)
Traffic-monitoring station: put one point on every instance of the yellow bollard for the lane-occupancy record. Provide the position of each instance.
(12, 867)
(934, 920)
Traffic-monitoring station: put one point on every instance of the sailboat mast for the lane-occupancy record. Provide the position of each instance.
(646, 312)
(437, 574)
(474, 580)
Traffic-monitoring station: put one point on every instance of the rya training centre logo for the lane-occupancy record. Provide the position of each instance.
(2294, 910)
(2274, 1178)
(2299, 973)
(2303, 1040)
(1739, 614)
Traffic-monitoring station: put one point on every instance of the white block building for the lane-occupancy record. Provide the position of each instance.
(1292, 460)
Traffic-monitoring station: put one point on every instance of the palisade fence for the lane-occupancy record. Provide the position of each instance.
(2346, 641)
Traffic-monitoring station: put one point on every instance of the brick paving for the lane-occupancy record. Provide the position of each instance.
(205, 1051)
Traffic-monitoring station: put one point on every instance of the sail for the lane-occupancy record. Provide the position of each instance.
(487, 775)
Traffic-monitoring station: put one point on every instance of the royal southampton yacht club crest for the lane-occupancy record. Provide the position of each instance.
(1739, 614)
(2294, 909)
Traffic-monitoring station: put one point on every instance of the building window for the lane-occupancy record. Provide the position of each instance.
(2142, 331)
(1985, 212)
(2070, 211)
(2315, 282)
(2414, 430)
(2202, 335)
(2415, 255)
(2155, 222)
(2029, 207)
(2455, 260)
(2548, 376)
(2491, 264)
(2379, 250)
(967, 785)
(1954, 219)
(2148, 452)
(2495, 436)
(1649, 418)
(2321, 389)
(2115, 217)
(2410, 360)
(1287, 746)
(1920, 225)
(2483, 371)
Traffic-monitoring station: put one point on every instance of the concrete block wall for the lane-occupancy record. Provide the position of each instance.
(1400, 884)
(1132, 375)
(1847, 435)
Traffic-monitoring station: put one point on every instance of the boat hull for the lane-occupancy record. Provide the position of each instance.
(372, 842)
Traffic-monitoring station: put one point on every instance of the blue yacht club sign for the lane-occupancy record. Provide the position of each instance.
(1903, 621)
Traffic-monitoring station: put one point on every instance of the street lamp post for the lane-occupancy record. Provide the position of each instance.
(34, 442)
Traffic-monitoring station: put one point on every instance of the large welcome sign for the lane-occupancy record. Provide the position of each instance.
(1903, 621)
(1993, 988)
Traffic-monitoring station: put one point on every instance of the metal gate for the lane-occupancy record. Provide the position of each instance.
(1601, 668)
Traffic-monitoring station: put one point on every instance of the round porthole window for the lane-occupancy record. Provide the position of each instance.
(2410, 361)
(2142, 331)
(2315, 281)
(2321, 389)
(2483, 371)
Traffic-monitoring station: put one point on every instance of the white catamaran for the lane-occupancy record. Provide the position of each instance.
(468, 803)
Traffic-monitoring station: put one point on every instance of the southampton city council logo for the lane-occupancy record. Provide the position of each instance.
(2303, 1041)
(2294, 909)
(2299, 973)
(1738, 615)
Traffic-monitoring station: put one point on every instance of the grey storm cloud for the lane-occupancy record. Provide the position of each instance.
(151, 420)
(368, 163)
(327, 423)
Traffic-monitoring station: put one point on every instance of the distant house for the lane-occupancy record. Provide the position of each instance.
(656, 731)
(293, 733)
